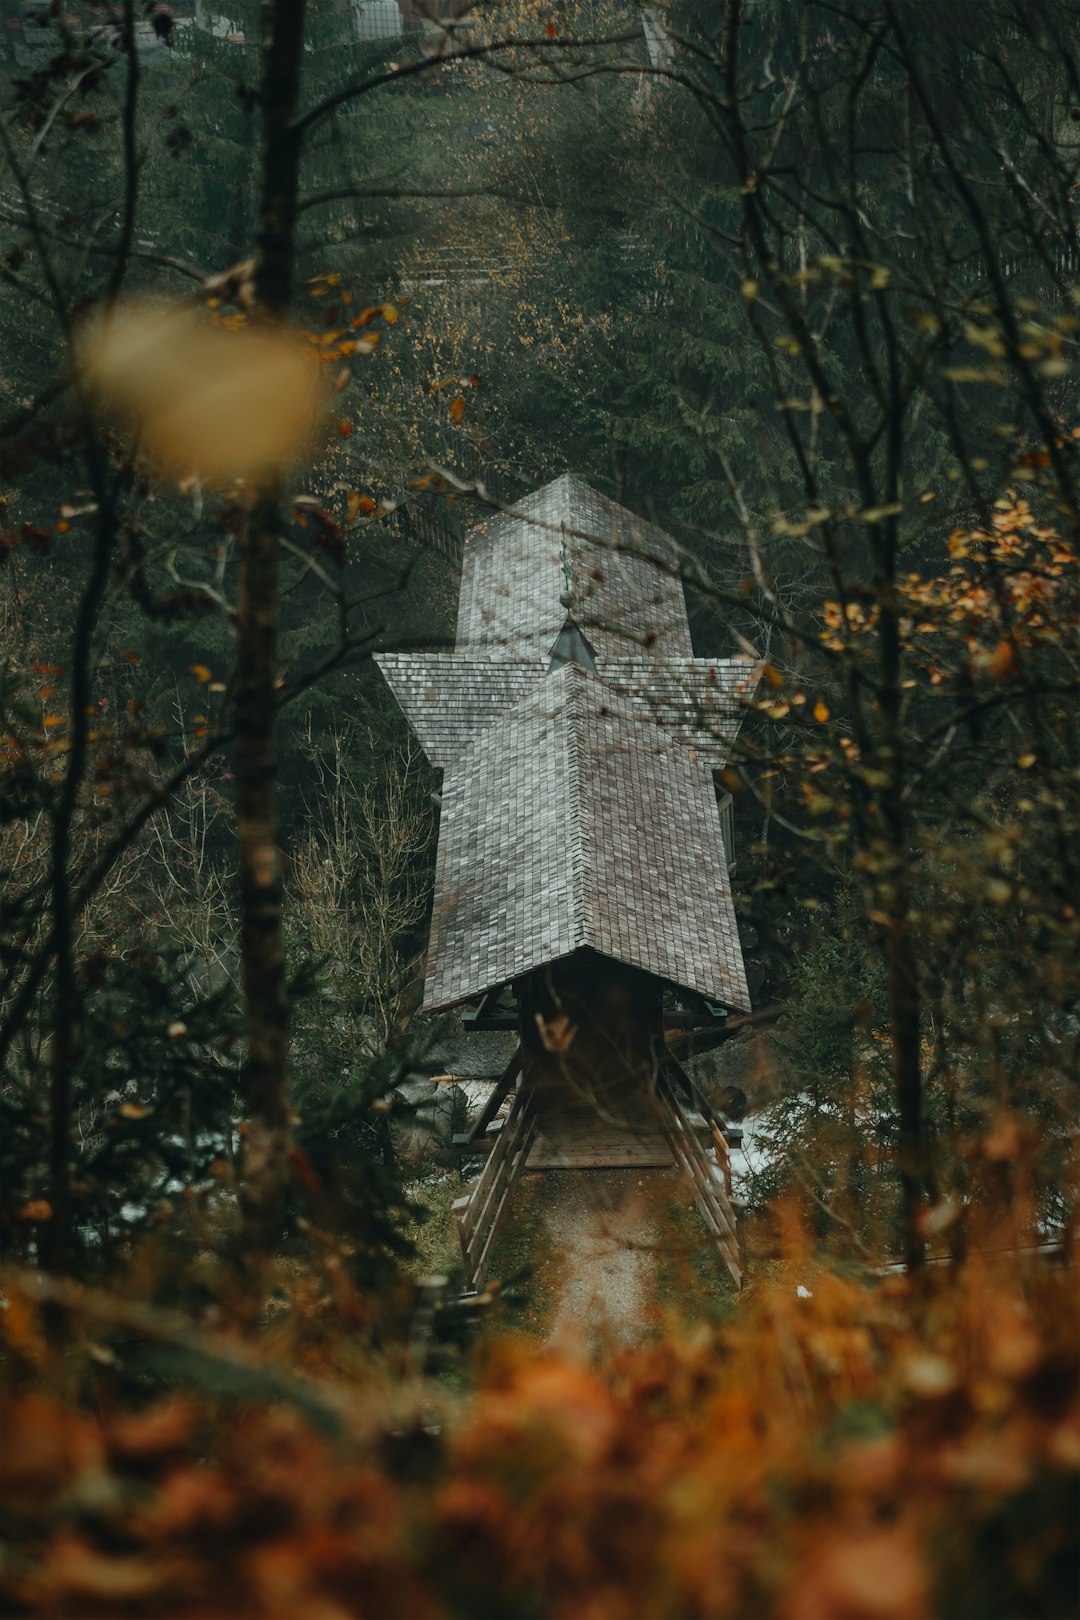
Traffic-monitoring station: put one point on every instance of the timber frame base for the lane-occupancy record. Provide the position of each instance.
(683, 1117)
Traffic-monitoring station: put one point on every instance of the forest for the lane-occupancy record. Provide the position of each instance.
(299, 301)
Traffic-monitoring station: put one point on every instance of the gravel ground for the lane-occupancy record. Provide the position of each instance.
(606, 1226)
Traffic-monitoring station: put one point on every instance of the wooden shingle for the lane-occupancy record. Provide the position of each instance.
(578, 807)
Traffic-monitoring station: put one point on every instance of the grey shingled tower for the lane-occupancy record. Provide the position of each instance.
(578, 808)
(580, 835)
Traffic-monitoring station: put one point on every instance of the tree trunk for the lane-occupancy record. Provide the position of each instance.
(266, 1162)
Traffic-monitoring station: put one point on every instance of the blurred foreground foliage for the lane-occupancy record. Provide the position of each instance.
(865, 1448)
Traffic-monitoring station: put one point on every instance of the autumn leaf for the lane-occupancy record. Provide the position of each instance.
(457, 407)
(556, 1033)
(224, 403)
(201, 672)
(305, 1172)
(1002, 661)
(821, 711)
(359, 505)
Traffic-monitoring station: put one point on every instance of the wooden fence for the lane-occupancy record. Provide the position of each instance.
(711, 1181)
(479, 1214)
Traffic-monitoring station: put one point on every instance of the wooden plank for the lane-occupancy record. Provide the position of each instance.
(460, 1209)
(711, 1189)
(495, 1101)
(705, 1188)
(710, 1200)
(495, 1199)
(600, 1153)
(482, 1263)
(500, 1172)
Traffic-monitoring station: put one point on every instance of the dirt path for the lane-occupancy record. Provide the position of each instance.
(606, 1226)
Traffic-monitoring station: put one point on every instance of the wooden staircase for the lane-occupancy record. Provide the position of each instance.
(674, 1125)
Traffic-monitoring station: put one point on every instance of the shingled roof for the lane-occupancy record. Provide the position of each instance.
(575, 821)
(566, 549)
(450, 698)
(578, 808)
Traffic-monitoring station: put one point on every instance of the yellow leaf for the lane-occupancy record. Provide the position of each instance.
(203, 399)
(821, 711)
(200, 672)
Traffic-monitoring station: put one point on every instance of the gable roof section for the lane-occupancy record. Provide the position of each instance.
(450, 699)
(573, 821)
(697, 702)
(567, 549)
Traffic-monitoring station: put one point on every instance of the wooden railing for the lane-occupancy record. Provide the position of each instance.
(475, 1139)
(676, 1099)
(479, 1214)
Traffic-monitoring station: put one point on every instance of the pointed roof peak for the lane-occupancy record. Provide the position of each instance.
(572, 646)
(565, 545)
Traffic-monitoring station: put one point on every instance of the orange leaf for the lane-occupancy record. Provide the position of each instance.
(303, 1167)
(821, 711)
(200, 671)
(1002, 661)
(457, 407)
(359, 505)
(344, 428)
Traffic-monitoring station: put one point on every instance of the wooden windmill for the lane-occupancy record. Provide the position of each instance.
(582, 881)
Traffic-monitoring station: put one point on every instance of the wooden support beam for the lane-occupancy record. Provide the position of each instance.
(502, 1086)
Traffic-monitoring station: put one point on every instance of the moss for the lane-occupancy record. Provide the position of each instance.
(434, 1236)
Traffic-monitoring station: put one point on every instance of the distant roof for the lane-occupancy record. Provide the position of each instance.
(578, 807)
